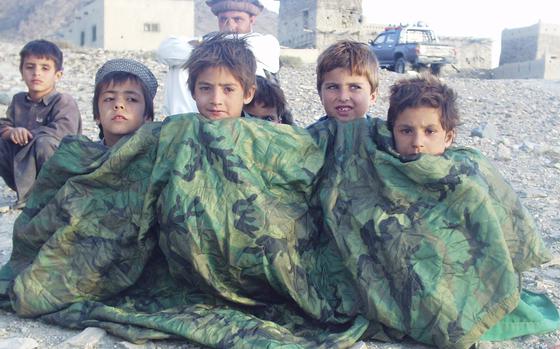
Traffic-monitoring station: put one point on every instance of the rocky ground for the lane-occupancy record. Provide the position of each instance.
(516, 123)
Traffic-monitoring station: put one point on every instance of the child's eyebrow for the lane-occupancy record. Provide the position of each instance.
(226, 84)
(129, 92)
(423, 126)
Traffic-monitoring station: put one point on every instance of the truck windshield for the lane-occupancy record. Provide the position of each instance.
(417, 36)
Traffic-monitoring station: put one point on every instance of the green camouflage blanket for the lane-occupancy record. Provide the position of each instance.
(245, 234)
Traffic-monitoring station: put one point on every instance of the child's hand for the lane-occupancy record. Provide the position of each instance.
(20, 135)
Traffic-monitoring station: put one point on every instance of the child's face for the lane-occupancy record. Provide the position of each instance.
(121, 110)
(219, 95)
(419, 130)
(40, 76)
(258, 110)
(346, 97)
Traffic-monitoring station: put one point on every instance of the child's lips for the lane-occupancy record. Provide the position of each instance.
(216, 112)
(119, 117)
(343, 109)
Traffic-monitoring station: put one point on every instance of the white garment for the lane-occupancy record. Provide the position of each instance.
(175, 51)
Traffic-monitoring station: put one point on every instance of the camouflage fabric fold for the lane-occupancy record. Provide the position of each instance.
(240, 233)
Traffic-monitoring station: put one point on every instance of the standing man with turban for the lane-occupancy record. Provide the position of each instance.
(234, 16)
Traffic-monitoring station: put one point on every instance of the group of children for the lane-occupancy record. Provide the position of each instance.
(422, 115)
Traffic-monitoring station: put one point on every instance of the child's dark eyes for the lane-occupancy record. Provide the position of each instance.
(108, 99)
(405, 131)
(355, 87)
(332, 87)
(430, 131)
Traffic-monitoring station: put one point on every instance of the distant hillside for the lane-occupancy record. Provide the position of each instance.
(30, 19)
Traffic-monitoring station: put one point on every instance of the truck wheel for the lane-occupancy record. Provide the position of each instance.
(402, 66)
(436, 69)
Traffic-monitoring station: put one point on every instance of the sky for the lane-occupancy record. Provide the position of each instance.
(471, 18)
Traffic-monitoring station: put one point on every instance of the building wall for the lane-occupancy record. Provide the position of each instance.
(519, 44)
(549, 40)
(337, 20)
(530, 52)
(552, 67)
(149, 23)
(319, 23)
(471, 53)
(87, 20)
(547, 67)
(529, 43)
(125, 26)
(533, 69)
(297, 21)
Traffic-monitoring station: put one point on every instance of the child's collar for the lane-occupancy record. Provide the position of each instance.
(46, 99)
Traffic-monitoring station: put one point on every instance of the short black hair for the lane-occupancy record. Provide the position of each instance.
(270, 95)
(41, 48)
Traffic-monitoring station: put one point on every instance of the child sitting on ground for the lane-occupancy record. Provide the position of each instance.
(36, 120)
(422, 116)
(123, 98)
(269, 103)
(221, 76)
(347, 80)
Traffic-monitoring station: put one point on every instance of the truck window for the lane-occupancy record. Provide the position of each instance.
(417, 36)
(391, 39)
(380, 39)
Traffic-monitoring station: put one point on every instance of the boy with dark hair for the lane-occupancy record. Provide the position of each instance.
(123, 99)
(347, 80)
(269, 103)
(36, 120)
(422, 115)
(221, 76)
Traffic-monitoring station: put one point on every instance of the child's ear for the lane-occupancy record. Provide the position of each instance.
(58, 75)
(373, 97)
(449, 137)
(249, 94)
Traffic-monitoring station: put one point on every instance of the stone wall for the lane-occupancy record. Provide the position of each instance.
(319, 23)
(530, 52)
(519, 44)
(547, 67)
(297, 21)
(111, 25)
(471, 53)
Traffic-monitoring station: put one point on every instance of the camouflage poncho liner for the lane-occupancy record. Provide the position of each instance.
(245, 234)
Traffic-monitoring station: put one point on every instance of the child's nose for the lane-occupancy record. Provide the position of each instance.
(216, 97)
(417, 141)
(344, 94)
